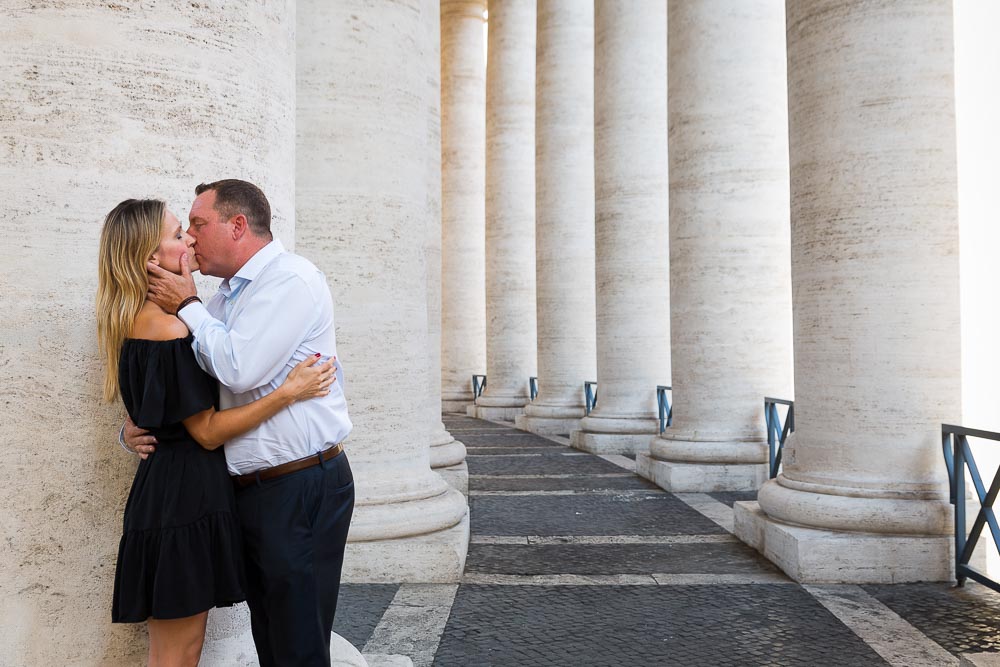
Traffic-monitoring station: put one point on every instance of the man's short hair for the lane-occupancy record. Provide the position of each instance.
(233, 196)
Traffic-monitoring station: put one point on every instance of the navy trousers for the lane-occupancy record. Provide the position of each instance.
(294, 532)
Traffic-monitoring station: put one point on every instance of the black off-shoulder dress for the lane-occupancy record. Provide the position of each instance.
(181, 551)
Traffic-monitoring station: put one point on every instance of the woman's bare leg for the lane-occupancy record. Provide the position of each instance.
(176, 642)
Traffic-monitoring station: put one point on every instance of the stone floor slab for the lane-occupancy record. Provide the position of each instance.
(515, 450)
(962, 620)
(898, 642)
(600, 567)
(719, 558)
(576, 626)
(574, 483)
(539, 465)
(730, 497)
(359, 609)
(652, 514)
(508, 439)
(413, 623)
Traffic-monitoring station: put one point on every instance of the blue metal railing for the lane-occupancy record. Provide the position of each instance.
(663, 404)
(478, 387)
(533, 386)
(590, 394)
(777, 432)
(958, 455)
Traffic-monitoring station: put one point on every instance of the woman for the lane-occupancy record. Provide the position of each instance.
(181, 551)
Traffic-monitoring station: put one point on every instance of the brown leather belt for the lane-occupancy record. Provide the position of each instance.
(287, 468)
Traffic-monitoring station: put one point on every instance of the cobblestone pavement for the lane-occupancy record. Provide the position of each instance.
(576, 561)
(359, 608)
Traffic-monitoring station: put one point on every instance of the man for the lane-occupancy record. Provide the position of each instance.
(294, 487)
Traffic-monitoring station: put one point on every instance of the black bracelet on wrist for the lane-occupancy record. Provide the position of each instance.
(187, 301)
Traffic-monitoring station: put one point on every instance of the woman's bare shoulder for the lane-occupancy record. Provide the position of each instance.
(153, 324)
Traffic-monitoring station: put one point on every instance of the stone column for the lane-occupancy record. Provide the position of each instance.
(876, 285)
(633, 271)
(101, 103)
(730, 289)
(510, 209)
(362, 195)
(447, 455)
(463, 200)
(564, 213)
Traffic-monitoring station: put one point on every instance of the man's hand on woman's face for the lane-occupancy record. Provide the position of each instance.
(167, 289)
(139, 440)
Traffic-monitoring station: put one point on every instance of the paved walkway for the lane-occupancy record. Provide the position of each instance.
(574, 560)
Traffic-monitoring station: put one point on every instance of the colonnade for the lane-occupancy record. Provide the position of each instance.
(864, 495)
(447, 455)
(369, 229)
(576, 237)
(729, 233)
(631, 239)
(843, 213)
(510, 211)
(564, 213)
(463, 199)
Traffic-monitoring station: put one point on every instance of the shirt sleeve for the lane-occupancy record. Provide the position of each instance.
(194, 314)
(262, 337)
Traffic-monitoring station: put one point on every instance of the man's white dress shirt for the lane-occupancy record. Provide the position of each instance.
(275, 312)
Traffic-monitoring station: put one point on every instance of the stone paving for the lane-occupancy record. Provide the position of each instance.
(576, 561)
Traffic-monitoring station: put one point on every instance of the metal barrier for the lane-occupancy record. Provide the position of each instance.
(590, 394)
(477, 387)
(533, 386)
(958, 455)
(776, 431)
(663, 404)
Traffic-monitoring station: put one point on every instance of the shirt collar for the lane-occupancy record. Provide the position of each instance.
(262, 258)
(253, 266)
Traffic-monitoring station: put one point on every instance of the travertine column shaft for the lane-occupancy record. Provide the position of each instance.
(564, 214)
(463, 200)
(876, 290)
(510, 209)
(633, 271)
(447, 455)
(102, 103)
(362, 194)
(730, 288)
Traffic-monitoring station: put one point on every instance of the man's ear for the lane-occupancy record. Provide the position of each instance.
(240, 226)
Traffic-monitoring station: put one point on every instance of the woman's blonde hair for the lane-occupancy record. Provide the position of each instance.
(130, 236)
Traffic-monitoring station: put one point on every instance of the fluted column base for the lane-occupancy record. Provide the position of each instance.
(676, 463)
(451, 452)
(606, 435)
(456, 406)
(457, 477)
(494, 413)
(818, 556)
(687, 477)
(550, 419)
(433, 558)
(547, 425)
(610, 443)
(448, 460)
(456, 401)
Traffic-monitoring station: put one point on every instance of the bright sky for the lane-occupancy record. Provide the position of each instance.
(977, 106)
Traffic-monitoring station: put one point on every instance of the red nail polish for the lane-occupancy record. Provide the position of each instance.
(318, 354)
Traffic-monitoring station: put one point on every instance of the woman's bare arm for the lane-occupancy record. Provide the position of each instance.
(212, 428)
